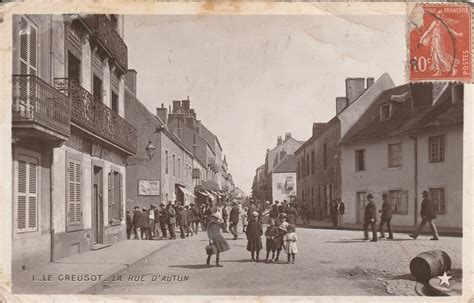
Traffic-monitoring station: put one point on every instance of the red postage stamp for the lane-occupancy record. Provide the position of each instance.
(439, 39)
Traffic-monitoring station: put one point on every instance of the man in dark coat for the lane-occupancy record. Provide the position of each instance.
(428, 215)
(370, 217)
(333, 211)
(225, 217)
(340, 210)
(129, 224)
(189, 220)
(386, 217)
(275, 212)
(163, 220)
(171, 220)
(136, 218)
(234, 220)
(156, 224)
(144, 224)
(196, 216)
(182, 221)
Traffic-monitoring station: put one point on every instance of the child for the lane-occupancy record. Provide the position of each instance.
(290, 243)
(282, 225)
(254, 232)
(244, 219)
(272, 239)
(215, 237)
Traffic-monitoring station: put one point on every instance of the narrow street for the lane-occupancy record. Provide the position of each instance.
(330, 262)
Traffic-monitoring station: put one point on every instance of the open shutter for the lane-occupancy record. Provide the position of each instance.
(121, 197)
(21, 196)
(32, 196)
(111, 196)
(74, 196)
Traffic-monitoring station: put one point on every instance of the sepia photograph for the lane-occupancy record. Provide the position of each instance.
(307, 152)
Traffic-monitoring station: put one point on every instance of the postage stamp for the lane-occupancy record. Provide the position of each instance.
(439, 40)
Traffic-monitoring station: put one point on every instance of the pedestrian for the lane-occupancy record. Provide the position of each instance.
(196, 216)
(234, 220)
(129, 222)
(271, 235)
(244, 219)
(333, 212)
(136, 218)
(171, 220)
(370, 217)
(428, 215)
(163, 220)
(144, 225)
(254, 241)
(340, 210)
(215, 237)
(151, 221)
(156, 223)
(225, 217)
(274, 213)
(282, 230)
(292, 215)
(304, 214)
(289, 241)
(386, 217)
(181, 220)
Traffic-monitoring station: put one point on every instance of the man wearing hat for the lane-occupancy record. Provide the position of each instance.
(370, 217)
(163, 220)
(386, 217)
(428, 214)
(234, 220)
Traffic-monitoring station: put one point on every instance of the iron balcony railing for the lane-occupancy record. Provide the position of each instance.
(37, 102)
(96, 117)
(103, 29)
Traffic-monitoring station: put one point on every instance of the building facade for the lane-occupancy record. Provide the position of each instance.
(70, 139)
(283, 179)
(408, 141)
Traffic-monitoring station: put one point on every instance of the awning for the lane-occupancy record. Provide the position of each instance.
(207, 194)
(186, 191)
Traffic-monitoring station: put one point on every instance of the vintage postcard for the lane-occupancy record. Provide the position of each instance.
(240, 151)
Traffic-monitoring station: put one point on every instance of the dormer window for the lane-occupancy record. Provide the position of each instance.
(385, 112)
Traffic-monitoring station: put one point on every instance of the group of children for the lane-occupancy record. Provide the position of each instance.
(279, 235)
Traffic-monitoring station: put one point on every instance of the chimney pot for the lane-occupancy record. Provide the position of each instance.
(176, 105)
(457, 93)
(370, 82)
(354, 88)
(162, 113)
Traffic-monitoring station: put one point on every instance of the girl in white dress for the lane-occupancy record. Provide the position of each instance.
(289, 241)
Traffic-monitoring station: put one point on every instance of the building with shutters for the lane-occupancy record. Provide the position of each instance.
(408, 141)
(283, 180)
(69, 137)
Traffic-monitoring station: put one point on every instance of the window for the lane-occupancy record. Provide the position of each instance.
(395, 155)
(436, 149)
(114, 102)
(97, 88)
(312, 162)
(399, 201)
(325, 156)
(289, 183)
(360, 159)
(74, 195)
(26, 200)
(438, 199)
(74, 68)
(28, 47)
(385, 112)
(174, 165)
(166, 160)
(307, 165)
(179, 168)
(115, 197)
(361, 198)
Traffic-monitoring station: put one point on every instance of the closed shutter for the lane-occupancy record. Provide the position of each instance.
(27, 194)
(74, 195)
(121, 198)
(28, 63)
(111, 197)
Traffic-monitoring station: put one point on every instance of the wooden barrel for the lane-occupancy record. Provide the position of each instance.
(430, 264)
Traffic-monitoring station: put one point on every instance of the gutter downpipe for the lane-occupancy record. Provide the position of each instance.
(51, 164)
(416, 178)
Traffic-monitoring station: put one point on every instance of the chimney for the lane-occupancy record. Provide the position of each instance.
(192, 113)
(370, 82)
(457, 93)
(422, 94)
(279, 141)
(354, 88)
(162, 113)
(176, 105)
(287, 136)
(181, 117)
(190, 122)
(317, 127)
(186, 105)
(341, 104)
(131, 80)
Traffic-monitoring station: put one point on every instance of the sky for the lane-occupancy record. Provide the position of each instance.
(254, 78)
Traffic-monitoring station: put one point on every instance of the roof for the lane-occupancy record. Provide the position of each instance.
(412, 110)
(287, 165)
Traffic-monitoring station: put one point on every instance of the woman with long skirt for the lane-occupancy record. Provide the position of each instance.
(215, 237)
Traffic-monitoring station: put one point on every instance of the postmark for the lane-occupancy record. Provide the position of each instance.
(439, 41)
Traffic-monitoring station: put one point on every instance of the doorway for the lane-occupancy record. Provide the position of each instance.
(97, 206)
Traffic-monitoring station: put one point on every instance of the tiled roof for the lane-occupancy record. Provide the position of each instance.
(287, 165)
(412, 111)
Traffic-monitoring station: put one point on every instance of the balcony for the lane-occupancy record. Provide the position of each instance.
(103, 30)
(97, 118)
(39, 110)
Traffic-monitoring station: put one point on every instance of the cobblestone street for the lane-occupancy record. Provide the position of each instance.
(330, 262)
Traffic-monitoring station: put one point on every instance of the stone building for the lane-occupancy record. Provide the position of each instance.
(69, 137)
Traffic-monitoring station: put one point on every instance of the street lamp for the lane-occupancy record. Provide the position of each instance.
(150, 150)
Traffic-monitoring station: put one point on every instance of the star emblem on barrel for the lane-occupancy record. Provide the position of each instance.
(444, 279)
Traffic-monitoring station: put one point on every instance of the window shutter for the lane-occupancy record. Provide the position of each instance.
(111, 196)
(27, 194)
(74, 195)
(32, 196)
(21, 196)
(121, 197)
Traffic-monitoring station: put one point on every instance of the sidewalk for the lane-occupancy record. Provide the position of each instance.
(77, 273)
(442, 231)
